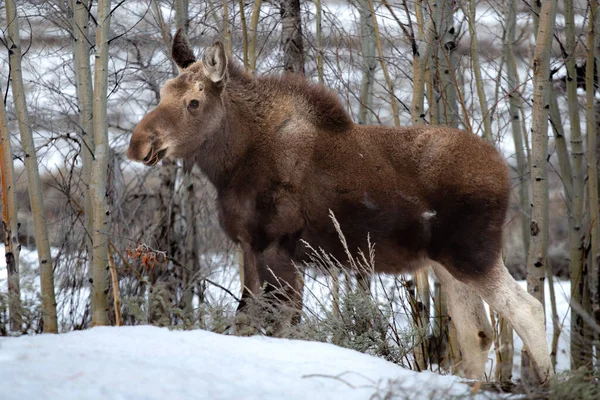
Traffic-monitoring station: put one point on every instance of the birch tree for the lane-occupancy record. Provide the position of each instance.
(592, 166)
(291, 36)
(536, 258)
(505, 341)
(487, 126)
(31, 166)
(445, 64)
(319, 40)
(101, 214)
(82, 47)
(578, 353)
(10, 224)
(252, 56)
(422, 51)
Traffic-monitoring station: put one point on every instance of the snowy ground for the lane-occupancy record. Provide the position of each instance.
(154, 363)
(316, 297)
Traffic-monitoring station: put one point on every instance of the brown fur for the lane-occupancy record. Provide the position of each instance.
(282, 152)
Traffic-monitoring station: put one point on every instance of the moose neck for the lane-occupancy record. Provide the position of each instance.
(243, 121)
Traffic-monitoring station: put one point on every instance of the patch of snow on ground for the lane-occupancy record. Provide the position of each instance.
(146, 362)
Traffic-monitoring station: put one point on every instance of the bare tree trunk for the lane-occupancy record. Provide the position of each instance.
(566, 173)
(388, 79)
(556, 325)
(441, 350)
(487, 126)
(100, 266)
(536, 258)
(81, 56)
(423, 305)
(33, 177)
(446, 65)
(227, 29)
(592, 167)
(505, 348)
(252, 56)
(319, 40)
(578, 353)
(421, 59)
(369, 61)
(191, 257)
(10, 224)
(291, 36)
(244, 33)
(181, 14)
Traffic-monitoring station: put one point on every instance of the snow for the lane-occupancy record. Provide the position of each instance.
(317, 299)
(146, 362)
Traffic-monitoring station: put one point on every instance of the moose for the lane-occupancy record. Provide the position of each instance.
(282, 152)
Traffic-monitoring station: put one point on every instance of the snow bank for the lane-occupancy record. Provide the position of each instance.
(146, 362)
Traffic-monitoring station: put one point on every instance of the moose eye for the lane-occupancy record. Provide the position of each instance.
(193, 104)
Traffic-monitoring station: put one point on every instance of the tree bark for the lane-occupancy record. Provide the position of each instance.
(592, 165)
(578, 353)
(252, 56)
(536, 258)
(100, 234)
(291, 36)
(421, 59)
(181, 14)
(81, 57)
(319, 40)
(515, 107)
(445, 65)
(244, 26)
(33, 177)
(487, 126)
(10, 224)
(388, 79)
(227, 29)
(369, 62)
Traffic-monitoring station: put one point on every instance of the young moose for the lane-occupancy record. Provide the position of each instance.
(282, 152)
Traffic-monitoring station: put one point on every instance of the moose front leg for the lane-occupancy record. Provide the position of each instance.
(246, 321)
(282, 285)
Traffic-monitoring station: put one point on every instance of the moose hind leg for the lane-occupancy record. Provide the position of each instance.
(523, 311)
(473, 328)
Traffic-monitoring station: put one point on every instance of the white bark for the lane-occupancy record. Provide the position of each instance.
(446, 65)
(536, 258)
(592, 161)
(291, 36)
(487, 126)
(515, 108)
(421, 59)
(369, 62)
(33, 177)
(83, 77)
(10, 224)
(101, 218)
(252, 56)
(579, 355)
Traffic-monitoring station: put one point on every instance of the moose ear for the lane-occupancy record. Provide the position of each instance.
(215, 62)
(182, 51)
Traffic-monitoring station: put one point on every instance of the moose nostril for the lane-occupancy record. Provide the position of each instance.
(161, 153)
(148, 156)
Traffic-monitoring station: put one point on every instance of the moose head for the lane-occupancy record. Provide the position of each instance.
(190, 110)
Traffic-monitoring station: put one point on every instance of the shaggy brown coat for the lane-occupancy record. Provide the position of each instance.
(282, 152)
